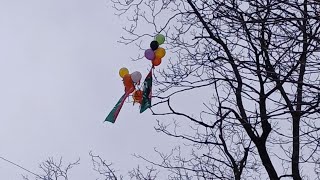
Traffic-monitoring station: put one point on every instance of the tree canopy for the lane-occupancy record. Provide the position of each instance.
(259, 60)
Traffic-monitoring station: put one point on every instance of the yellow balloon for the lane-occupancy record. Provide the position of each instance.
(160, 52)
(123, 71)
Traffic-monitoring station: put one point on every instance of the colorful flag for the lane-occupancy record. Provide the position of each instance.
(147, 93)
(115, 111)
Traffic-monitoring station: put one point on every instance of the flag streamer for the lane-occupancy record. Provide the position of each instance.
(147, 93)
(116, 110)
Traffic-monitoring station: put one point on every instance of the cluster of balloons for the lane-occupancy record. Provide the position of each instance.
(156, 53)
(130, 81)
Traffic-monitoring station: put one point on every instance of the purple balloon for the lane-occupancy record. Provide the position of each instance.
(149, 54)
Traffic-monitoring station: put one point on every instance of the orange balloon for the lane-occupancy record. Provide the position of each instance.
(137, 96)
(160, 52)
(156, 61)
(127, 81)
(129, 89)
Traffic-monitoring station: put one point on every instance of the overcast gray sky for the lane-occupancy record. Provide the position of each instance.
(59, 63)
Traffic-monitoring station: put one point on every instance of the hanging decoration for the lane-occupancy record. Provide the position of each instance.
(147, 93)
(137, 96)
(115, 111)
(131, 81)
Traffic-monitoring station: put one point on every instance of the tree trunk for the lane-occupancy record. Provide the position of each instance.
(266, 161)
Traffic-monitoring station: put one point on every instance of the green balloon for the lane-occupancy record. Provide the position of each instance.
(160, 38)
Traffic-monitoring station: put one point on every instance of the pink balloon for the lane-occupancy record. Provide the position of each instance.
(149, 54)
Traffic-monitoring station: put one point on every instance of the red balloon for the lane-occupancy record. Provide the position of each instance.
(156, 61)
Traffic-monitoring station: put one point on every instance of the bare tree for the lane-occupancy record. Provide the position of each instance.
(104, 169)
(107, 172)
(259, 63)
(54, 170)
